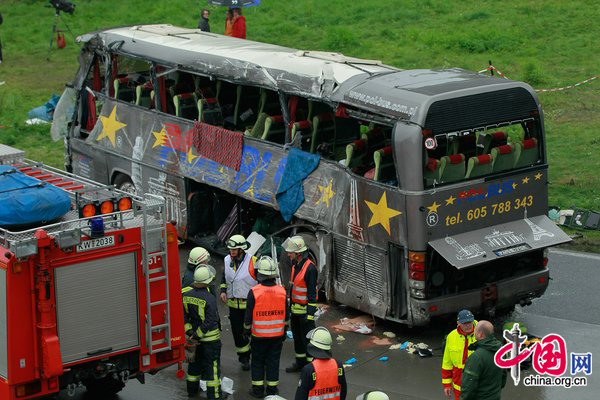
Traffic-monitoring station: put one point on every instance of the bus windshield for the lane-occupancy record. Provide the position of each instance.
(458, 156)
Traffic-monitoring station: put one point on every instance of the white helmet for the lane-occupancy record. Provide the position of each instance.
(204, 273)
(375, 395)
(320, 343)
(294, 244)
(238, 242)
(199, 255)
(267, 267)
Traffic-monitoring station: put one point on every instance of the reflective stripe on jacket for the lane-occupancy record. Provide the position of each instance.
(268, 316)
(240, 281)
(299, 288)
(455, 356)
(327, 384)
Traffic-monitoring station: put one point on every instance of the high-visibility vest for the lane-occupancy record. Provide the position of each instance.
(327, 385)
(240, 281)
(299, 288)
(454, 359)
(268, 318)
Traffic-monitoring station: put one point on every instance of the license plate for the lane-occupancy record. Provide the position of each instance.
(92, 244)
(512, 250)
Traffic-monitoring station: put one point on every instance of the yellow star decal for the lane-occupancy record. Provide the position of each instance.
(449, 200)
(190, 156)
(538, 176)
(525, 180)
(326, 193)
(434, 207)
(110, 126)
(250, 190)
(514, 185)
(382, 213)
(160, 138)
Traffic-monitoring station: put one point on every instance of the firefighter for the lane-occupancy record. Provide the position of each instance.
(456, 352)
(266, 319)
(198, 255)
(324, 377)
(239, 277)
(303, 297)
(203, 328)
(374, 395)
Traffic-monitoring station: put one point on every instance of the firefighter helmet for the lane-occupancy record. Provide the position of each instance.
(267, 267)
(199, 255)
(238, 242)
(204, 273)
(294, 244)
(374, 395)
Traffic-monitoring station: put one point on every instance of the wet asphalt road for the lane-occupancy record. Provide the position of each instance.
(569, 307)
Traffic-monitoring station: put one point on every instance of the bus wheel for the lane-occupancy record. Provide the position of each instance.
(124, 183)
(104, 387)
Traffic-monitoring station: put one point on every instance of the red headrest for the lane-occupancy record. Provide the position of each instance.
(456, 158)
(360, 144)
(211, 100)
(277, 118)
(386, 151)
(506, 149)
(304, 124)
(432, 164)
(148, 85)
(529, 143)
(185, 95)
(498, 136)
(325, 116)
(124, 80)
(484, 159)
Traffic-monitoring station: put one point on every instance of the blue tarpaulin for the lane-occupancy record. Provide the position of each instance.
(26, 200)
(290, 193)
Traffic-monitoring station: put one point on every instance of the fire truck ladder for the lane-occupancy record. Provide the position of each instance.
(156, 228)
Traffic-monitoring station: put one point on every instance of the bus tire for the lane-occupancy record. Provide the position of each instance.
(124, 183)
(104, 387)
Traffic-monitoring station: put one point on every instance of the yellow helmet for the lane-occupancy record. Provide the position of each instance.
(238, 242)
(294, 244)
(199, 255)
(319, 345)
(267, 267)
(204, 273)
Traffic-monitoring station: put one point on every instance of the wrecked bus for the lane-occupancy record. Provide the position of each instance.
(429, 190)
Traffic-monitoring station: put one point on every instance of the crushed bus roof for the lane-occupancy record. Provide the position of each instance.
(333, 77)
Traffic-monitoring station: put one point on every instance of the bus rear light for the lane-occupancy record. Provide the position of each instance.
(418, 293)
(107, 207)
(416, 256)
(542, 279)
(417, 275)
(416, 266)
(545, 261)
(416, 284)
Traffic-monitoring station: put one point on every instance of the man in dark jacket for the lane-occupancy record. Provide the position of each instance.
(203, 23)
(482, 379)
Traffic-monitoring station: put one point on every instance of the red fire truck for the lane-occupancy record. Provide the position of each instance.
(92, 299)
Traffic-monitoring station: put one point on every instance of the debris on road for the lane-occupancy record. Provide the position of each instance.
(381, 341)
(350, 361)
(385, 358)
(362, 325)
(340, 338)
(390, 335)
(395, 346)
(289, 335)
(404, 345)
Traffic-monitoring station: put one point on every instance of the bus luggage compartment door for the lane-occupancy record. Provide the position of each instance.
(3, 327)
(97, 307)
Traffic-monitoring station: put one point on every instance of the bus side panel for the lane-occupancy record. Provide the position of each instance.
(3, 332)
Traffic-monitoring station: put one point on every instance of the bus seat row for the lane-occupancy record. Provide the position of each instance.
(470, 144)
(501, 158)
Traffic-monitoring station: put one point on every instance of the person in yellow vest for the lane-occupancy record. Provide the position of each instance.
(239, 277)
(203, 327)
(456, 353)
(303, 297)
(267, 315)
(324, 377)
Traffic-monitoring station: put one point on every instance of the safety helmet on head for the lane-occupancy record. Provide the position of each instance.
(238, 242)
(204, 273)
(319, 345)
(267, 267)
(374, 395)
(294, 244)
(199, 255)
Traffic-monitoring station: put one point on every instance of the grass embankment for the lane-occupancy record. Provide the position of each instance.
(545, 43)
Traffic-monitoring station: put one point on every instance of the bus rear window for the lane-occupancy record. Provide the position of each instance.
(458, 156)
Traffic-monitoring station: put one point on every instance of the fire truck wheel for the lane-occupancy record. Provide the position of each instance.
(124, 183)
(105, 387)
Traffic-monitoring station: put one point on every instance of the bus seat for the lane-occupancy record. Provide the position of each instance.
(186, 105)
(209, 112)
(143, 95)
(269, 102)
(504, 157)
(494, 139)
(304, 129)
(526, 153)
(259, 126)
(123, 89)
(321, 123)
(479, 165)
(431, 173)
(236, 108)
(355, 153)
(452, 168)
(274, 129)
(462, 145)
(384, 164)
(374, 137)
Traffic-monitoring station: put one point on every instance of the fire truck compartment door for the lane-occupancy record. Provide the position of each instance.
(3, 327)
(488, 244)
(97, 307)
